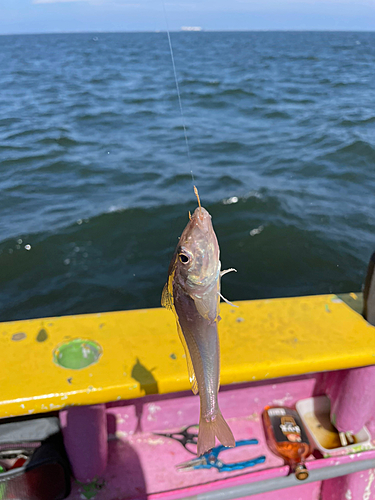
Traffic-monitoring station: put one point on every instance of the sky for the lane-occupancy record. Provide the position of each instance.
(51, 16)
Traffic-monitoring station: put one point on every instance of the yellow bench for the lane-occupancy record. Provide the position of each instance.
(140, 352)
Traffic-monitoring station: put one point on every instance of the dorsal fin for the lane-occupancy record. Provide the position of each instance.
(192, 377)
(166, 299)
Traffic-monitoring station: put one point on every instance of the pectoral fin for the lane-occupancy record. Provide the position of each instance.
(207, 306)
(192, 377)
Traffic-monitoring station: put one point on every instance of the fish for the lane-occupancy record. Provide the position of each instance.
(192, 292)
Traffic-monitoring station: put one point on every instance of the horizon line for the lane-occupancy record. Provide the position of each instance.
(265, 30)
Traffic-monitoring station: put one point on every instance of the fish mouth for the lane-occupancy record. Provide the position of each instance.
(202, 218)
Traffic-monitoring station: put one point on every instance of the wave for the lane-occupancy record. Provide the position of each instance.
(100, 115)
(299, 101)
(342, 47)
(143, 112)
(26, 133)
(139, 100)
(227, 93)
(10, 148)
(302, 57)
(356, 149)
(228, 180)
(57, 167)
(186, 82)
(352, 122)
(237, 92)
(348, 176)
(227, 147)
(64, 141)
(11, 120)
(337, 85)
(29, 159)
(210, 102)
(177, 179)
(277, 114)
(270, 100)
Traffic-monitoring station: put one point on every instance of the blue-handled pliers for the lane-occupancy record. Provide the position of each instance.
(210, 459)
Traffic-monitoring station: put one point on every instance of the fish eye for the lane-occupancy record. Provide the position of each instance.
(184, 258)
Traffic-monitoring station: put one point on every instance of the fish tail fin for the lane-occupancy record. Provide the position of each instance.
(208, 431)
(223, 432)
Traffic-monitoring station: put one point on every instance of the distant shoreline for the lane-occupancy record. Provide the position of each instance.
(186, 31)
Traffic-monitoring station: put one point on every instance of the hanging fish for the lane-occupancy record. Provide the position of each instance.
(192, 292)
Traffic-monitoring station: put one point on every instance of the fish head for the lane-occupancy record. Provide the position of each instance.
(197, 259)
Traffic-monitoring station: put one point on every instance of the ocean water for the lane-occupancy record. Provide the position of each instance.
(95, 180)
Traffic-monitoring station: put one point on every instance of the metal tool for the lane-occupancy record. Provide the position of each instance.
(186, 436)
(210, 459)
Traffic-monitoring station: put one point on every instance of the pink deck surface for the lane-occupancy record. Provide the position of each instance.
(142, 464)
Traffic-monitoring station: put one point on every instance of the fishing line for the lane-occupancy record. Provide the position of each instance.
(178, 94)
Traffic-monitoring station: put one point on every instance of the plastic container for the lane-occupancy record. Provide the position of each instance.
(315, 414)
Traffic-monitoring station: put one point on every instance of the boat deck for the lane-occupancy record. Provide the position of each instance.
(272, 353)
(140, 352)
(142, 464)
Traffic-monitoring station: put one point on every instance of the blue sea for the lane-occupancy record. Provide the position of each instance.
(96, 182)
